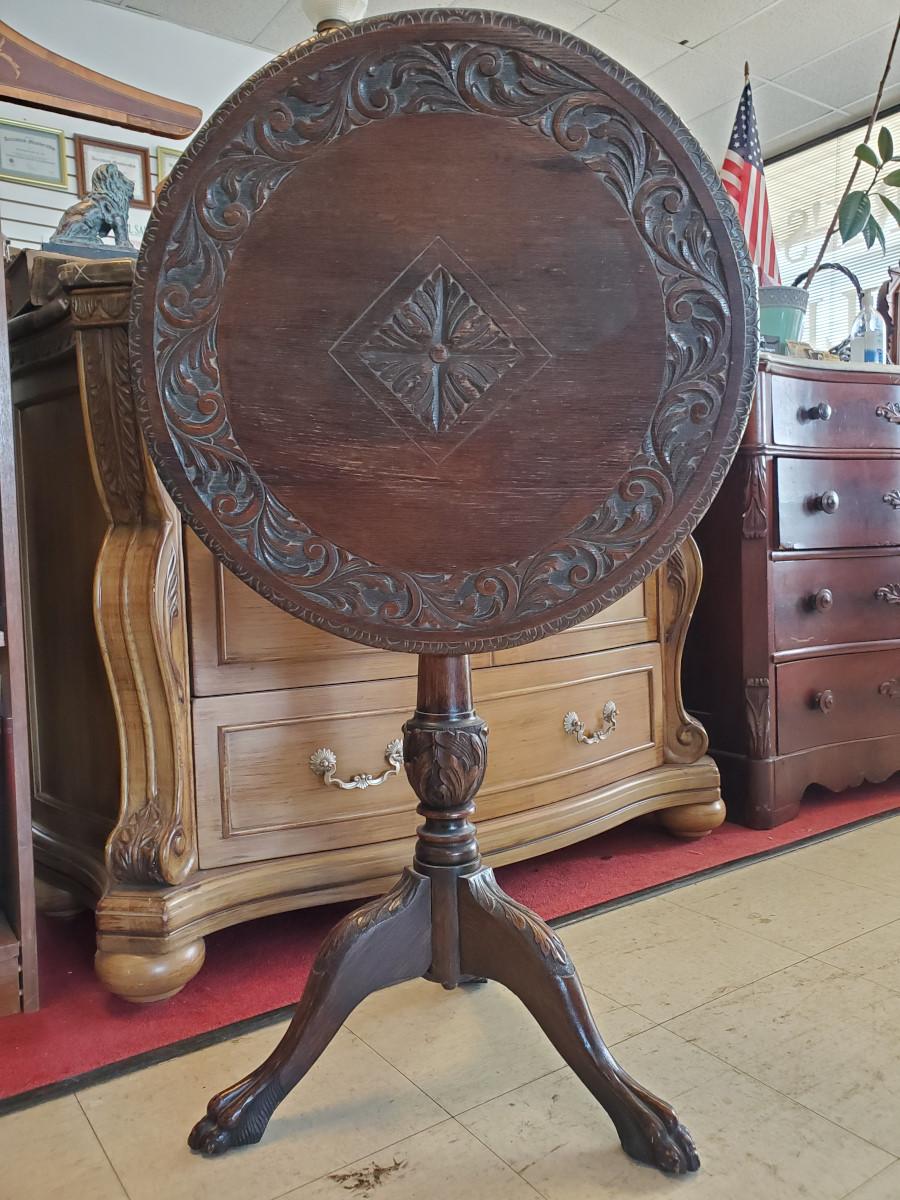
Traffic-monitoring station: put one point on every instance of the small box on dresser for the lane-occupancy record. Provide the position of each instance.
(793, 657)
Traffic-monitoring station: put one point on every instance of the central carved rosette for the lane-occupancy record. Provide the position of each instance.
(445, 767)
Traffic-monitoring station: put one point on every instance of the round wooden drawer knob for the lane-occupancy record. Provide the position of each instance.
(828, 502)
(821, 600)
(818, 412)
(824, 701)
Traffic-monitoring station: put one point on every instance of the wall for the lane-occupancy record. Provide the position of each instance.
(147, 53)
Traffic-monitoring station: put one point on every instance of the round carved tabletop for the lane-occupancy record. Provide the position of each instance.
(443, 331)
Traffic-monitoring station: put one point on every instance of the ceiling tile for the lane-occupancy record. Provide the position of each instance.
(290, 26)
(640, 52)
(685, 20)
(802, 134)
(713, 129)
(780, 115)
(862, 108)
(794, 32)
(778, 111)
(846, 75)
(695, 82)
(564, 14)
(233, 19)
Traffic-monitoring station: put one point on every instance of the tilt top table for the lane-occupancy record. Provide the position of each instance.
(443, 336)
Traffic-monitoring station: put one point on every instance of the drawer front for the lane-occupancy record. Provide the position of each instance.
(825, 503)
(242, 643)
(633, 619)
(258, 799)
(836, 413)
(835, 601)
(841, 698)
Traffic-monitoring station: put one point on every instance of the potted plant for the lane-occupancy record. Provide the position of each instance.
(783, 308)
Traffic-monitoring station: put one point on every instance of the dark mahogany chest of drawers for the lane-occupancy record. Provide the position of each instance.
(793, 661)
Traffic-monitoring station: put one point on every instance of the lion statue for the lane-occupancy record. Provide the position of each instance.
(103, 210)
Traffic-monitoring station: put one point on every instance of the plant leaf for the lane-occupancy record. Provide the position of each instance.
(867, 155)
(885, 143)
(853, 214)
(872, 233)
(892, 178)
(889, 204)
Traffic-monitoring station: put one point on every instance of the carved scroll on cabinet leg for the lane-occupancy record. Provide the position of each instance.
(502, 940)
(385, 942)
(684, 738)
(139, 614)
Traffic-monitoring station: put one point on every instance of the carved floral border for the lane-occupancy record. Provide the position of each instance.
(325, 583)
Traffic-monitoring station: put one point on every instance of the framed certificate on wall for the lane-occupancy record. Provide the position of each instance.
(166, 158)
(33, 154)
(132, 161)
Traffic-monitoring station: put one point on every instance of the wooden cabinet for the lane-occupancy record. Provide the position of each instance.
(794, 654)
(172, 781)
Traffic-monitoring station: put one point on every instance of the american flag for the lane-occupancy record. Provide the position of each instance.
(745, 182)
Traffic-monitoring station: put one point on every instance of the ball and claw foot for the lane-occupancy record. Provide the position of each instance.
(656, 1137)
(237, 1117)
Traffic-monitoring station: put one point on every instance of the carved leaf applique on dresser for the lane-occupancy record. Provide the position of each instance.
(892, 498)
(141, 843)
(755, 521)
(758, 712)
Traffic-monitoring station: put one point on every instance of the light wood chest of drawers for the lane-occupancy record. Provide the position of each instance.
(793, 660)
(175, 711)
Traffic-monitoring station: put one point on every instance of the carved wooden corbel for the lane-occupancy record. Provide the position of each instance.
(139, 605)
(684, 738)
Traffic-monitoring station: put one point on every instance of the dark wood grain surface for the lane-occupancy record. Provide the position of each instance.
(457, 380)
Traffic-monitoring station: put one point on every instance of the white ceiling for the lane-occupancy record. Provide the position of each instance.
(815, 63)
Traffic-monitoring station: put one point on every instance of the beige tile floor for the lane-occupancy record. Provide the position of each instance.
(765, 1002)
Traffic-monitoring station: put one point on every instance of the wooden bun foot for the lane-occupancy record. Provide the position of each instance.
(146, 978)
(692, 821)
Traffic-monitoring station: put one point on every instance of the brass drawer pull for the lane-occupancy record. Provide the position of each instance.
(824, 701)
(889, 593)
(892, 498)
(818, 412)
(890, 412)
(828, 502)
(323, 762)
(572, 724)
(821, 601)
(890, 688)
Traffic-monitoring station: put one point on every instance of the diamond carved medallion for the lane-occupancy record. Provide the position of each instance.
(438, 351)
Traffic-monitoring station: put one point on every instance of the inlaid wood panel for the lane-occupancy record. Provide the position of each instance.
(835, 413)
(831, 503)
(257, 798)
(836, 601)
(839, 698)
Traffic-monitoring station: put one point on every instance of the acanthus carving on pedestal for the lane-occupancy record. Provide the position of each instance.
(139, 610)
(755, 522)
(684, 738)
(757, 708)
(445, 767)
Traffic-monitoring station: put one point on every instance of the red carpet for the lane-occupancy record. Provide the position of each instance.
(260, 966)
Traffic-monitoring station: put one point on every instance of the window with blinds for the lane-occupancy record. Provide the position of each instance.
(804, 189)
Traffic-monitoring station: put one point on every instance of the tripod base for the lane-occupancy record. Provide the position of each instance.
(447, 920)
